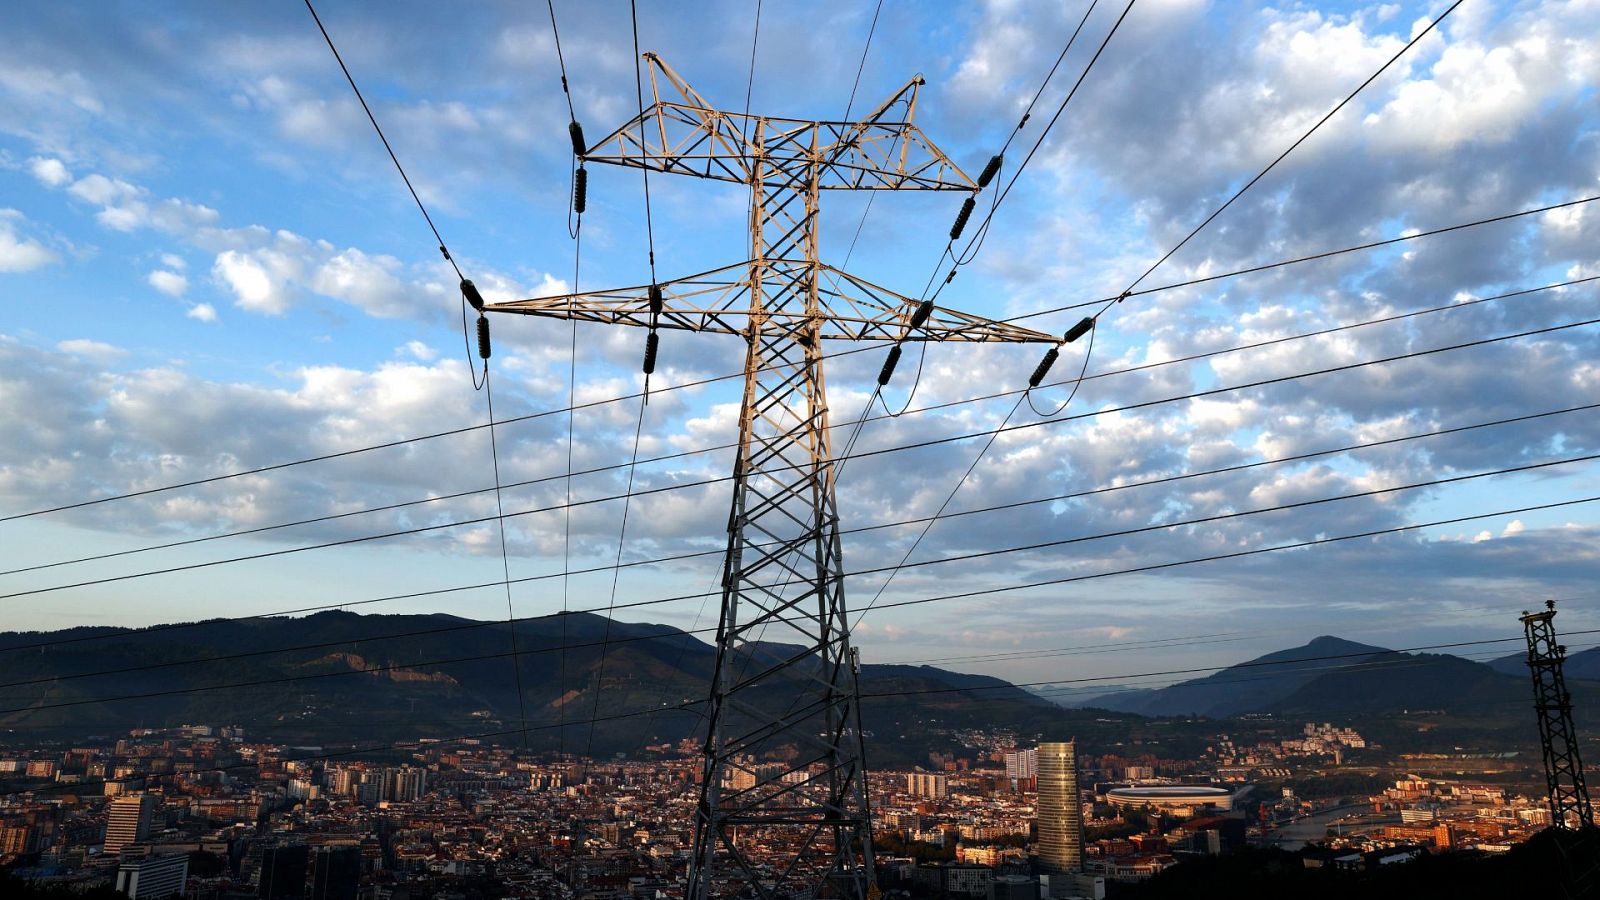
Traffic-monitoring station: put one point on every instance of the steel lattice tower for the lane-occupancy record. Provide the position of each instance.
(1569, 797)
(783, 529)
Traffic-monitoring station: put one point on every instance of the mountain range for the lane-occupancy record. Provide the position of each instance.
(339, 678)
(1585, 664)
(1330, 676)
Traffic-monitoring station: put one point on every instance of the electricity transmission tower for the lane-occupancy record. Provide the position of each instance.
(1571, 814)
(1569, 797)
(799, 774)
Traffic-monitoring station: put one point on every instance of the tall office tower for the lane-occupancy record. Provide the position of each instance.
(336, 873)
(157, 876)
(283, 872)
(1022, 767)
(1060, 814)
(128, 820)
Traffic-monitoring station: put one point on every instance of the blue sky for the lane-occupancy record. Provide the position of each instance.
(207, 263)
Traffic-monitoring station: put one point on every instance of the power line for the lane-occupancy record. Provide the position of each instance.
(1448, 307)
(376, 127)
(638, 85)
(1154, 567)
(616, 575)
(687, 707)
(612, 607)
(1163, 526)
(1326, 254)
(1060, 58)
(709, 592)
(561, 60)
(981, 233)
(505, 557)
(1355, 668)
(948, 498)
(728, 377)
(368, 448)
(1291, 148)
(976, 240)
(1252, 664)
(871, 195)
(915, 445)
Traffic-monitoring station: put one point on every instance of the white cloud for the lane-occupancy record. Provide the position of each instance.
(367, 282)
(103, 191)
(19, 253)
(50, 172)
(170, 283)
(254, 288)
(419, 350)
(204, 312)
(174, 261)
(1516, 527)
(95, 351)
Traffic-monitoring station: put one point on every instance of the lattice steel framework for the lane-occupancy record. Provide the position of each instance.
(1569, 796)
(798, 775)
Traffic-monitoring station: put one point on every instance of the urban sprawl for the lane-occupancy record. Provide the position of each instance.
(208, 812)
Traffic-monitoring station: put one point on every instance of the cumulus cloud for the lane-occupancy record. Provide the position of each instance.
(1190, 100)
(95, 351)
(128, 207)
(18, 252)
(170, 283)
(254, 288)
(50, 172)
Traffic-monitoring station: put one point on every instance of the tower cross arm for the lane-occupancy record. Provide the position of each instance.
(680, 133)
(718, 301)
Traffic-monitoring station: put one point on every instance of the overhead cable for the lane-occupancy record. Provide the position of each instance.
(1291, 148)
(914, 445)
(437, 498)
(739, 375)
(611, 608)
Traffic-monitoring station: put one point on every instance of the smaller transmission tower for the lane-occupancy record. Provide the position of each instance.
(1563, 769)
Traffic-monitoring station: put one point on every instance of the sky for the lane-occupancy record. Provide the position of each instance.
(208, 264)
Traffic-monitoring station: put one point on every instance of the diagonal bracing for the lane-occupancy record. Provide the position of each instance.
(799, 775)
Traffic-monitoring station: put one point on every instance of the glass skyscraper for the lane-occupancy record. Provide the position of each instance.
(1060, 814)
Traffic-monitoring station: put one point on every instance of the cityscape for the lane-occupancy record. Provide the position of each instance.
(208, 811)
(992, 450)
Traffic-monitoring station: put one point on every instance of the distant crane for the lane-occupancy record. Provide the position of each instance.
(802, 772)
